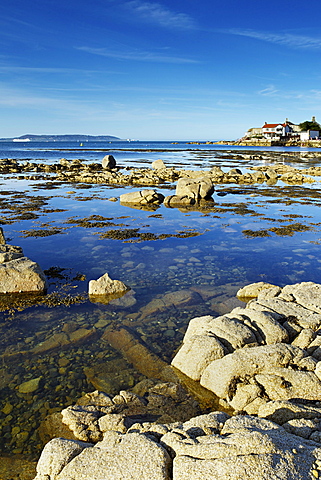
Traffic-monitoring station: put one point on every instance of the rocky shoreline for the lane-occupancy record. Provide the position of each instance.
(107, 172)
(283, 388)
(263, 361)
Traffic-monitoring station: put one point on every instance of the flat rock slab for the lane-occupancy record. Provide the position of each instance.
(142, 197)
(22, 275)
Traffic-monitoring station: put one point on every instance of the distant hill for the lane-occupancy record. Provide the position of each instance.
(61, 138)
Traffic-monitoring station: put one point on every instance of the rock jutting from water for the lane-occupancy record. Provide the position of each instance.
(18, 273)
(106, 172)
(106, 286)
(108, 162)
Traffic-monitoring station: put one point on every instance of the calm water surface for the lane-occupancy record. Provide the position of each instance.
(249, 234)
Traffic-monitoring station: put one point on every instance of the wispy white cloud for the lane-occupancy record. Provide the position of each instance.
(158, 14)
(136, 55)
(305, 97)
(269, 91)
(286, 39)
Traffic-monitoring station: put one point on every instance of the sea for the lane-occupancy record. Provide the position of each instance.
(178, 263)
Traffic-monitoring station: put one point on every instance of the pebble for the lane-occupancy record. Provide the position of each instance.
(7, 408)
(29, 386)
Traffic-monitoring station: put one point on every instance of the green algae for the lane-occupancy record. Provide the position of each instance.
(41, 233)
(256, 233)
(285, 231)
(289, 230)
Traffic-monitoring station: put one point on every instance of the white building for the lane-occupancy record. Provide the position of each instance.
(309, 135)
(274, 131)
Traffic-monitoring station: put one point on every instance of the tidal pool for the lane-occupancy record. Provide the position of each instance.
(178, 263)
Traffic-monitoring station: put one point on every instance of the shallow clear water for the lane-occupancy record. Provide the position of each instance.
(208, 253)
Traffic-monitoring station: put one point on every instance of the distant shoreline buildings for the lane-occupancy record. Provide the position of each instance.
(282, 132)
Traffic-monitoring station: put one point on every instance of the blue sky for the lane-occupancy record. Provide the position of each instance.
(185, 70)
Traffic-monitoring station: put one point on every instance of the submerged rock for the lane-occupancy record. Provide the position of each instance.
(30, 385)
(179, 298)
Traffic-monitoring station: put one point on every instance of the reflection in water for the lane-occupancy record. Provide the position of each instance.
(178, 263)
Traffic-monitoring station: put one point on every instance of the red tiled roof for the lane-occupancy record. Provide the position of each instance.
(271, 125)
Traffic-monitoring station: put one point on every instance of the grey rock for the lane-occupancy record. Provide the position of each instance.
(83, 421)
(284, 383)
(307, 294)
(108, 162)
(195, 188)
(2, 238)
(158, 165)
(281, 411)
(264, 323)
(305, 338)
(22, 275)
(142, 197)
(178, 201)
(56, 455)
(9, 252)
(106, 286)
(204, 424)
(221, 375)
(231, 332)
(196, 354)
(301, 427)
(253, 450)
(135, 456)
(113, 421)
(253, 290)
(305, 317)
(245, 395)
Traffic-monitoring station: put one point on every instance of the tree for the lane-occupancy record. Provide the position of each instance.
(309, 125)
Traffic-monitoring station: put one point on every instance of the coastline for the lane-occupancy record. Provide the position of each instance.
(242, 191)
(272, 143)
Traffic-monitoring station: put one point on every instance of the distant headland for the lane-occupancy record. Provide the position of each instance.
(60, 138)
